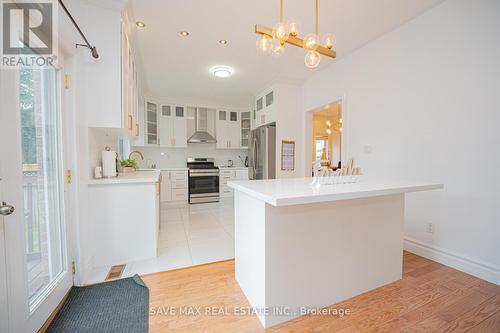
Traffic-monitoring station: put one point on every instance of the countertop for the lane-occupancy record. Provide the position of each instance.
(295, 191)
(152, 176)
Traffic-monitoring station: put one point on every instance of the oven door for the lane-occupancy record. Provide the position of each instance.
(203, 187)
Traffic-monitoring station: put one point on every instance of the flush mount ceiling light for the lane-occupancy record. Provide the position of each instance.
(223, 42)
(184, 33)
(221, 71)
(140, 24)
(273, 40)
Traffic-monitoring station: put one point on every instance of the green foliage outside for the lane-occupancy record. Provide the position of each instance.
(27, 107)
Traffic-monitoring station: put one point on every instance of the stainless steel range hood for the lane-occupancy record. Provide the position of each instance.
(201, 134)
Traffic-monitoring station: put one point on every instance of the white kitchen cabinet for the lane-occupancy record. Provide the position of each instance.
(265, 112)
(245, 127)
(115, 235)
(172, 126)
(228, 130)
(174, 185)
(228, 174)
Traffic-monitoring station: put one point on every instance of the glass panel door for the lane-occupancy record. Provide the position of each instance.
(152, 123)
(42, 168)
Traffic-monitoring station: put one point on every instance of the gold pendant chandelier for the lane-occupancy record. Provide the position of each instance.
(272, 41)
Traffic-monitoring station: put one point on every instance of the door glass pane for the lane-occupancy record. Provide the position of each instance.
(152, 123)
(270, 98)
(179, 111)
(165, 110)
(259, 104)
(42, 178)
(222, 115)
(233, 116)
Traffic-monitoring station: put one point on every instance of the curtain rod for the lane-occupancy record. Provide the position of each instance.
(93, 49)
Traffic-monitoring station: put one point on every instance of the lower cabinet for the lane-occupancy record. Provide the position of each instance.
(228, 174)
(174, 186)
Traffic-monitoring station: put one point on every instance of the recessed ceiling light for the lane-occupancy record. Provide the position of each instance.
(140, 24)
(223, 41)
(184, 33)
(222, 71)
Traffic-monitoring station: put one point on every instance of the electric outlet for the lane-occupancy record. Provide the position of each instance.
(430, 228)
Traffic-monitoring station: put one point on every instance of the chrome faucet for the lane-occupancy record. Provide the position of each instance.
(136, 151)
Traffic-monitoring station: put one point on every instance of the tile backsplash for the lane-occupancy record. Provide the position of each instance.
(176, 157)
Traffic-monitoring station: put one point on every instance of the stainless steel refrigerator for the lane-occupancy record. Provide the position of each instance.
(262, 153)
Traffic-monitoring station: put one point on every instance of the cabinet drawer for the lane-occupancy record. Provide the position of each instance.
(178, 174)
(178, 184)
(226, 191)
(178, 178)
(179, 194)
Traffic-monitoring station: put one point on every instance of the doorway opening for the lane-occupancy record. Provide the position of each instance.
(324, 136)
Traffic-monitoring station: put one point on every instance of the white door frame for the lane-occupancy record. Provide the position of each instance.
(20, 318)
(308, 116)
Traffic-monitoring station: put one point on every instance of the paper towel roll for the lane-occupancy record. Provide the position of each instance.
(109, 163)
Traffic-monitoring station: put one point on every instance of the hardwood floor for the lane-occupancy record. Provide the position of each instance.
(430, 298)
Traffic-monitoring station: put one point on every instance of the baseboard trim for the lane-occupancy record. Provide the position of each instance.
(485, 271)
(54, 313)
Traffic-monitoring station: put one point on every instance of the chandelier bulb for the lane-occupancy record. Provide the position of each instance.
(312, 59)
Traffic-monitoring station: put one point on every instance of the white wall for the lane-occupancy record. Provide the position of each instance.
(426, 98)
(288, 101)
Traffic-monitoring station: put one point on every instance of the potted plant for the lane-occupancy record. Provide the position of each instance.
(128, 166)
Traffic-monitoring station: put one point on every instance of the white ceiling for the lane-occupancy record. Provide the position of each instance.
(178, 67)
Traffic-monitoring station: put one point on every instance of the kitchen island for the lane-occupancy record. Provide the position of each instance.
(301, 247)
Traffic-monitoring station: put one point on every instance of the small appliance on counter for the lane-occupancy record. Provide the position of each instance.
(109, 158)
(230, 163)
(203, 180)
(98, 172)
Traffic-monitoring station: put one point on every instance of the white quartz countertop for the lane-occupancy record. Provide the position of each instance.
(296, 191)
(129, 178)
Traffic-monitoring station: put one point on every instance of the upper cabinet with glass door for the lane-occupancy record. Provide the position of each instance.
(151, 125)
(264, 108)
(172, 126)
(245, 127)
(228, 129)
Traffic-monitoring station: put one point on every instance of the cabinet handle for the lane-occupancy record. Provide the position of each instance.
(130, 122)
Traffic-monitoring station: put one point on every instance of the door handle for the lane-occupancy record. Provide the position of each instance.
(6, 209)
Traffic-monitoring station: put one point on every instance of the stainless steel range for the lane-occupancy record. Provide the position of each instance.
(203, 180)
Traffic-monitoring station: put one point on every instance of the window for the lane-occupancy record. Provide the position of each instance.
(321, 147)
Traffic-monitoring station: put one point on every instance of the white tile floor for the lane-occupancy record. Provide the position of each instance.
(189, 235)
